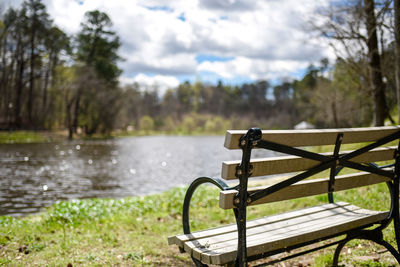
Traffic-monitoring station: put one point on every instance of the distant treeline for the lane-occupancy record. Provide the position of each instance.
(50, 80)
(326, 97)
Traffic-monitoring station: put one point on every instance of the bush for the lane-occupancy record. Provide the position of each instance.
(189, 124)
(146, 123)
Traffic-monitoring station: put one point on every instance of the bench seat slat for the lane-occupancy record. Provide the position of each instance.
(314, 137)
(287, 164)
(306, 188)
(219, 241)
(278, 231)
(283, 236)
(180, 239)
(300, 233)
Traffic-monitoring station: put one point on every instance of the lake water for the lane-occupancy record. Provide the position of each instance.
(33, 176)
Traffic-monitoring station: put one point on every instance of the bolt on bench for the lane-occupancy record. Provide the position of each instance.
(235, 245)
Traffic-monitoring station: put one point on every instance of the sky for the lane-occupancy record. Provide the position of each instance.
(166, 42)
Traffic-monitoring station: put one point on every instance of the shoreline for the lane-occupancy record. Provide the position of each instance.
(44, 136)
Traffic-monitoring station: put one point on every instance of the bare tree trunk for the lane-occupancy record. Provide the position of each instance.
(334, 112)
(44, 97)
(31, 77)
(76, 111)
(378, 87)
(397, 50)
(69, 120)
(4, 82)
(19, 85)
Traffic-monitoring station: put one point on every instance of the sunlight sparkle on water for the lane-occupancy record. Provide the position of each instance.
(90, 161)
(132, 171)
(163, 163)
(78, 147)
(26, 158)
(45, 187)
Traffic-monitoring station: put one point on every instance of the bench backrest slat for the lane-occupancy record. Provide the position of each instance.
(290, 164)
(299, 138)
(306, 188)
(287, 164)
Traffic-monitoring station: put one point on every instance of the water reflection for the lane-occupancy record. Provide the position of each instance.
(33, 176)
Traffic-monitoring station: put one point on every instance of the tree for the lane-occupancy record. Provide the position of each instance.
(303, 90)
(38, 22)
(397, 51)
(10, 45)
(131, 107)
(18, 21)
(339, 100)
(97, 47)
(55, 42)
(381, 110)
(28, 57)
(184, 95)
(354, 31)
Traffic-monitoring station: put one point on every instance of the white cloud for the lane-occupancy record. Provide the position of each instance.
(265, 38)
(254, 68)
(159, 82)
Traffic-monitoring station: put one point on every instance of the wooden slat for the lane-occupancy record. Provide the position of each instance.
(271, 237)
(315, 137)
(180, 239)
(283, 230)
(287, 164)
(296, 234)
(306, 188)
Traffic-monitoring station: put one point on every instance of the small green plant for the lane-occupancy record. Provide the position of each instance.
(135, 256)
(370, 263)
(323, 260)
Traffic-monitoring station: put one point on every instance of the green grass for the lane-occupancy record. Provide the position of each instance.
(18, 137)
(133, 231)
(25, 137)
(161, 132)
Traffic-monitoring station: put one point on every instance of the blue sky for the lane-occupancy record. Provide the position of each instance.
(166, 42)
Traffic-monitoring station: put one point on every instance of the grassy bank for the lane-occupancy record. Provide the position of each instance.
(18, 137)
(133, 231)
(26, 137)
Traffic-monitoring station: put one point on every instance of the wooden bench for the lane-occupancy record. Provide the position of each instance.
(245, 241)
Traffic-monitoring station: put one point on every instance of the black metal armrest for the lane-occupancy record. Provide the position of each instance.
(189, 193)
(186, 204)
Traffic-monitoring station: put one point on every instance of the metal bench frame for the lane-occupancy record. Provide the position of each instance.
(253, 139)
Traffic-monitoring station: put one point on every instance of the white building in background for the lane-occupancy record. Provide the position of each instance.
(304, 125)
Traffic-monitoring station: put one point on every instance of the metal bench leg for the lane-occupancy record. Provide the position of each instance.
(243, 172)
(374, 236)
(396, 216)
(395, 200)
(337, 252)
(391, 249)
(377, 237)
